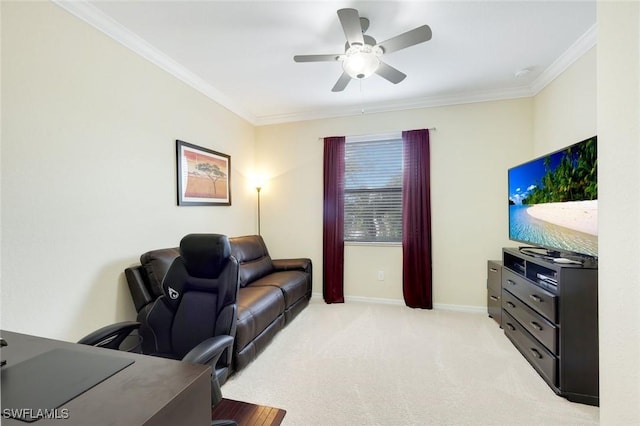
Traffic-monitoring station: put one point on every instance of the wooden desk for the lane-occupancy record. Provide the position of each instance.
(152, 391)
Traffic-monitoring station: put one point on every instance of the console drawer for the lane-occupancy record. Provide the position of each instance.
(535, 297)
(494, 276)
(534, 323)
(494, 290)
(537, 355)
(494, 305)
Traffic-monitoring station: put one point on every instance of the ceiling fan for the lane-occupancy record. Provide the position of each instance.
(362, 53)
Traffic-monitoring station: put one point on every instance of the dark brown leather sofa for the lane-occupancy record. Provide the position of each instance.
(272, 292)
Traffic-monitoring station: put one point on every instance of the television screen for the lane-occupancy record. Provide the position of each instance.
(553, 200)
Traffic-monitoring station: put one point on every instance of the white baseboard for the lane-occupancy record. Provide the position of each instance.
(461, 308)
(437, 306)
(379, 300)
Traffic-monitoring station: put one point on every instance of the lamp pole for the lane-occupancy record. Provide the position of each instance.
(258, 188)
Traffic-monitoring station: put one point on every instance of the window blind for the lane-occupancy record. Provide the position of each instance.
(373, 191)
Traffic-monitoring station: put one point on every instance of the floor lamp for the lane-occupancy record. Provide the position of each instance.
(258, 188)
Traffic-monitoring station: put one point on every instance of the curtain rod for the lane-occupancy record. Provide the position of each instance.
(378, 136)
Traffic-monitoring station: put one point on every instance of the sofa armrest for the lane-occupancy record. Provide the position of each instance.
(302, 264)
(137, 287)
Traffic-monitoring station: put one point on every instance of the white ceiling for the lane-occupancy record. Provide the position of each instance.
(240, 53)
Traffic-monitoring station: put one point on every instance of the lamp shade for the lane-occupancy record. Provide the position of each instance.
(361, 60)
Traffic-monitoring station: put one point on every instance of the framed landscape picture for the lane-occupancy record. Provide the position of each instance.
(204, 176)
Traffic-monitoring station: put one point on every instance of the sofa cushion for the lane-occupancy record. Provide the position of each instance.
(293, 284)
(156, 264)
(258, 307)
(254, 269)
(252, 256)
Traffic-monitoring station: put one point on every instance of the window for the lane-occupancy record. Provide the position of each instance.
(373, 190)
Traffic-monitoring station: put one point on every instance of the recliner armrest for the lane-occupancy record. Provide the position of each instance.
(301, 264)
(137, 287)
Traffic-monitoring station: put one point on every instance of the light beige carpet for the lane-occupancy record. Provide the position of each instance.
(373, 364)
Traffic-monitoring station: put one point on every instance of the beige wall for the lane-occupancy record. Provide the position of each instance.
(88, 170)
(619, 221)
(565, 111)
(471, 149)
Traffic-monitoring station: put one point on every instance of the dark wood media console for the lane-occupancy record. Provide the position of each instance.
(494, 290)
(550, 314)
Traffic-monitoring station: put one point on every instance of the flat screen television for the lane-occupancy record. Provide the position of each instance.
(553, 201)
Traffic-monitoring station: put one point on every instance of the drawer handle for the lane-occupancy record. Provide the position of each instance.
(511, 327)
(536, 326)
(535, 298)
(493, 269)
(495, 299)
(536, 353)
(511, 304)
(511, 282)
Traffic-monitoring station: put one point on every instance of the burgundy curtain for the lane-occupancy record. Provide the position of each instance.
(333, 221)
(416, 220)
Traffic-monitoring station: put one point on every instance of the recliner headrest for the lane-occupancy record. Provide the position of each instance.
(205, 255)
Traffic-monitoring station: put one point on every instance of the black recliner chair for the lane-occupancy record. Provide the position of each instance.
(195, 319)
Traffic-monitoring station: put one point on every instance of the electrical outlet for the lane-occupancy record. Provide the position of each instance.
(380, 275)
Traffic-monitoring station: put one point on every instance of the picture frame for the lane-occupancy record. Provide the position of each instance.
(204, 176)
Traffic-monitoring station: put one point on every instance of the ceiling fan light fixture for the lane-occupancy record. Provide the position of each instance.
(362, 52)
(361, 61)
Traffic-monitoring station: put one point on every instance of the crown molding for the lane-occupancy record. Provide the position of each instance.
(585, 43)
(402, 105)
(96, 18)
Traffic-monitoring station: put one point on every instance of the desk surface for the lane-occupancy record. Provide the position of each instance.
(151, 391)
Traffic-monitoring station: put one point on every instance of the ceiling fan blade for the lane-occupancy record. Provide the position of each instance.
(390, 73)
(316, 58)
(350, 21)
(410, 38)
(341, 83)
